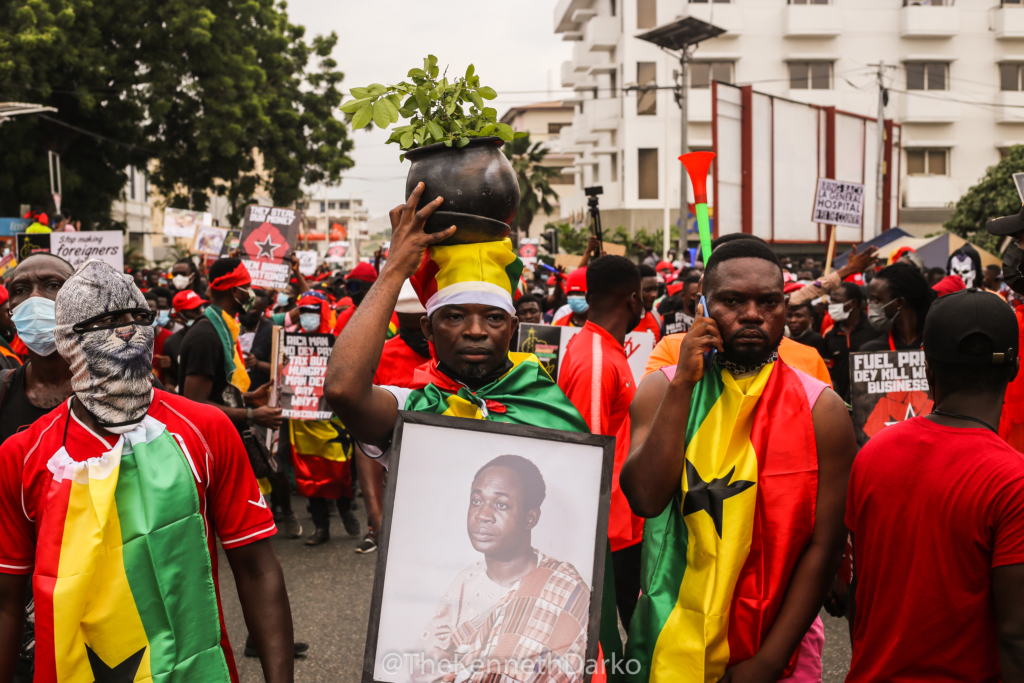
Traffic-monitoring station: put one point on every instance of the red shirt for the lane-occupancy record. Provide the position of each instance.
(565, 321)
(397, 363)
(650, 324)
(162, 334)
(343, 319)
(229, 497)
(595, 376)
(933, 510)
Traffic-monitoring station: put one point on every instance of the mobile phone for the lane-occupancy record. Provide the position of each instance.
(709, 355)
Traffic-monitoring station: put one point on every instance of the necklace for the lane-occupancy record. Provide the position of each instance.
(936, 411)
(737, 369)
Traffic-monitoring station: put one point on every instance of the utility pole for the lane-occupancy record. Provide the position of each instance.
(683, 100)
(883, 95)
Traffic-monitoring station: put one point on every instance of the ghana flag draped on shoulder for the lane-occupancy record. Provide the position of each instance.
(717, 561)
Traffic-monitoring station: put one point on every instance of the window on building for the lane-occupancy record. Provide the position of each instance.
(702, 73)
(924, 162)
(646, 100)
(323, 207)
(1012, 3)
(810, 75)
(647, 171)
(927, 75)
(145, 187)
(613, 83)
(343, 205)
(556, 128)
(332, 205)
(131, 182)
(613, 7)
(613, 160)
(1010, 76)
(808, 2)
(646, 13)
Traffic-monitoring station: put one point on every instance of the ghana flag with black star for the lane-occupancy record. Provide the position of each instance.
(717, 561)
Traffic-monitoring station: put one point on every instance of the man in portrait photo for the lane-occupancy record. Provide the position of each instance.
(517, 611)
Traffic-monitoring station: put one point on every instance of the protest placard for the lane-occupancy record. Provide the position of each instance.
(302, 364)
(7, 263)
(183, 222)
(838, 202)
(887, 387)
(336, 251)
(231, 241)
(549, 342)
(209, 241)
(267, 239)
(307, 261)
(26, 243)
(78, 247)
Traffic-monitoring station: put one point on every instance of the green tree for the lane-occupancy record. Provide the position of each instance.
(220, 93)
(535, 178)
(995, 195)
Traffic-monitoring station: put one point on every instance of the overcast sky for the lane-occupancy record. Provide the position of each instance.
(512, 45)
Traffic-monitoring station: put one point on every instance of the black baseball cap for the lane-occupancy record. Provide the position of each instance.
(971, 311)
(1007, 225)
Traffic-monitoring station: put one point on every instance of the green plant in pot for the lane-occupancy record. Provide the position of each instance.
(453, 142)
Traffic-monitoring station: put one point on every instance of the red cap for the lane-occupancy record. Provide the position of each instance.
(675, 288)
(792, 287)
(664, 265)
(363, 272)
(551, 281)
(4, 295)
(186, 300)
(577, 281)
(856, 278)
(949, 284)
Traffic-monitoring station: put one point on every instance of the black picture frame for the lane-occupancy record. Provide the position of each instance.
(606, 443)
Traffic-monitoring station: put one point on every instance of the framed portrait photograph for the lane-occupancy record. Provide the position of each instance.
(491, 557)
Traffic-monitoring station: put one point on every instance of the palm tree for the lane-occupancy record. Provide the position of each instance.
(534, 180)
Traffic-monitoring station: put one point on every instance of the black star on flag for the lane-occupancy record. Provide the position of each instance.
(122, 673)
(709, 495)
(267, 248)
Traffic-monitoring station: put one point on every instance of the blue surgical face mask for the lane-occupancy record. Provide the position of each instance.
(282, 299)
(310, 321)
(578, 303)
(162, 318)
(35, 318)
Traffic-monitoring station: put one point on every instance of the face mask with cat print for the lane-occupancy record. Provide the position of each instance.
(111, 367)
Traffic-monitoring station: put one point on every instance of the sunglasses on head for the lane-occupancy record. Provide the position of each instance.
(112, 320)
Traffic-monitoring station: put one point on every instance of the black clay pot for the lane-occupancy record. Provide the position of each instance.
(479, 186)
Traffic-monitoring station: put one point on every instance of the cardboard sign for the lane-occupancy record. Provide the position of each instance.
(838, 203)
(26, 243)
(300, 375)
(549, 343)
(568, 261)
(307, 261)
(336, 252)
(209, 241)
(230, 242)
(887, 387)
(267, 239)
(183, 223)
(79, 247)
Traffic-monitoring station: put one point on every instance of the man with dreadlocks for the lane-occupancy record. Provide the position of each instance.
(110, 504)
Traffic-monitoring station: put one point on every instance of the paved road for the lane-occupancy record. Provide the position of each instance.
(329, 588)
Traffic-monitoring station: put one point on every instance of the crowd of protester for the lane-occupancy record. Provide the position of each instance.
(940, 497)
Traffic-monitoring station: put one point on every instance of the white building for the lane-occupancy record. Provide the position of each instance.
(955, 74)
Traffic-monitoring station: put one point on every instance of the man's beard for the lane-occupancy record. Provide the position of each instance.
(474, 371)
(749, 357)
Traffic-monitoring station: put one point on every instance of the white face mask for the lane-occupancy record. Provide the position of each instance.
(838, 312)
(181, 282)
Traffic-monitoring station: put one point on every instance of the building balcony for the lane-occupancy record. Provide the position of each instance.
(933, 191)
(1012, 109)
(919, 21)
(812, 21)
(583, 59)
(601, 34)
(566, 17)
(927, 107)
(603, 114)
(1009, 23)
(727, 16)
(569, 74)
